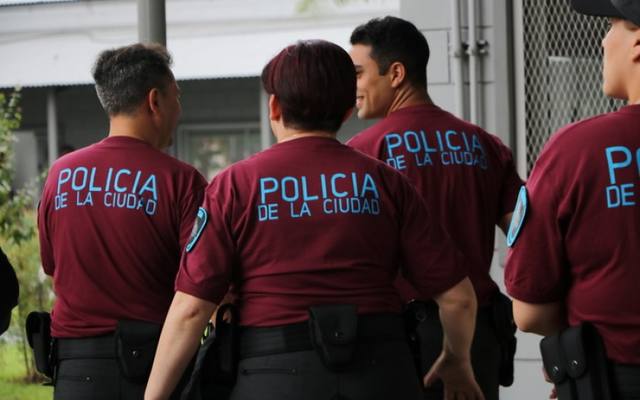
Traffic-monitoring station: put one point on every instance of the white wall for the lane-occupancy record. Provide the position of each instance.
(433, 18)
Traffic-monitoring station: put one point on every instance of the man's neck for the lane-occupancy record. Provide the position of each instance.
(133, 127)
(409, 96)
(285, 134)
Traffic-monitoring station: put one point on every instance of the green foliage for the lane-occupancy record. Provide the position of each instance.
(12, 204)
(12, 377)
(18, 237)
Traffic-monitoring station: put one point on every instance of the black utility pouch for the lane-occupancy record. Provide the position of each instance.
(215, 371)
(414, 314)
(555, 364)
(221, 361)
(505, 328)
(136, 343)
(38, 326)
(587, 362)
(333, 330)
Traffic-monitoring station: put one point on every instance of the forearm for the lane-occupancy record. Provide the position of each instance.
(458, 308)
(542, 319)
(179, 340)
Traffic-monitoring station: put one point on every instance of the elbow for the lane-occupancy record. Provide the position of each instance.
(541, 319)
(191, 309)
(525, 324)
(460, 299)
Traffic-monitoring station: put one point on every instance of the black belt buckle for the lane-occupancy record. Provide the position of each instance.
(333, 330)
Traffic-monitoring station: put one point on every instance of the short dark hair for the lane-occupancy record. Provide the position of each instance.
(315, 83)
(125, 75)
(395, 40)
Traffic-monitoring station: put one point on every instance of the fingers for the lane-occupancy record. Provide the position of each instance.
(469, 393)
(429, 378)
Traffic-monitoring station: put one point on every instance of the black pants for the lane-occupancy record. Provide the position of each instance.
(485, 353)
(626, 382)
(98, 379)
(380, 371)
(87, 369)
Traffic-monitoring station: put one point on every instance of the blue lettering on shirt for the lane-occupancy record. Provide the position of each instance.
(420, 149)
(339, 193)
(114, 188)
(617, 193)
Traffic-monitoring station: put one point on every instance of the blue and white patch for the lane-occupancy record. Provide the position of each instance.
(517, 219)
(198, 226)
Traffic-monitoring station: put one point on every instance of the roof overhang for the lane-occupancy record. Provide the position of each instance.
(51, 54)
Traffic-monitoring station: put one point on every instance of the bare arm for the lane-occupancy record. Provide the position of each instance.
(458, 307)
(179, 340)
(543, 319)
(505, 221)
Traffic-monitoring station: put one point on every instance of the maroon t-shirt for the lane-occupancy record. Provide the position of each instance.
(113, 219)
(579, 243)
(466, 176)
(311, 221)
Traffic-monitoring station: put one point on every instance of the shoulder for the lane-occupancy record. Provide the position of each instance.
(366, 138)
(573, 139)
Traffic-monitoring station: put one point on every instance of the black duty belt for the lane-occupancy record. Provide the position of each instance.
(91, 347)
(259, 341)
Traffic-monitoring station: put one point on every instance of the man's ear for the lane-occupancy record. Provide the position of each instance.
(153, 101)
(635, 53)
(398, 73)
(275, 111)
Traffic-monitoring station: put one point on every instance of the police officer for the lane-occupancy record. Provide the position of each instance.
(466, 175)
(8, 291)
(312, 233)
(574, 256)
(113, 219)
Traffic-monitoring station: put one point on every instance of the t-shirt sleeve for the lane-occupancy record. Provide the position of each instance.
(511, 183)
(44, 214)
(206, 264)
(535, 271)
(189, 208)
(430, 260)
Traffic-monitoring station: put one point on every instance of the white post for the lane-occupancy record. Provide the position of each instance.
(457, 53)
(152, 22)
(266, 138)
(472, 51)
(52, 126)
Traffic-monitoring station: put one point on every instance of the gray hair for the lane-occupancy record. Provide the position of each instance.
(124, 76)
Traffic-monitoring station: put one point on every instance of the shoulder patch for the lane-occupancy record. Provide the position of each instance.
(517, 219)
(198, 226)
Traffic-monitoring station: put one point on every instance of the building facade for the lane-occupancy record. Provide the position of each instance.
(518, 68)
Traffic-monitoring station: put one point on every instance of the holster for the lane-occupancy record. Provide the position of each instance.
(333, 330)
(215, 371)
(576, 362)
(505, 328)
(414, 314)
(38, 327)
(136, 343)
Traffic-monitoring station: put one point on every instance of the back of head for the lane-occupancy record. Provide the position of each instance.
(124, 76)
(315, 84)
(395, 40)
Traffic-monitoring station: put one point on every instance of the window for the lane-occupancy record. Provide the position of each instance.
(212, 147)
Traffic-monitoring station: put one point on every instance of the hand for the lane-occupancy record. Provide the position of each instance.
(457, 376)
